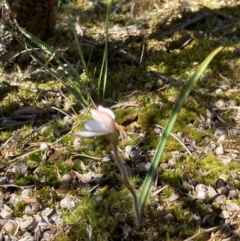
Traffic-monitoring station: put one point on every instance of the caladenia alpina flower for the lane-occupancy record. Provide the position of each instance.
(103, 123)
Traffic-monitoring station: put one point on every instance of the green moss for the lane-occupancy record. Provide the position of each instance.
(125, 116)
(132, 142)
(64, 237)
(148, 115)
(47, 197)
(63, 167)
(168, 192)
(48, 174)
(18, 209)
(104, 217)
(34, 159)
(25, 180)
(162, 54)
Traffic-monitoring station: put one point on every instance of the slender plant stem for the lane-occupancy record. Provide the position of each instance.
(125, 180)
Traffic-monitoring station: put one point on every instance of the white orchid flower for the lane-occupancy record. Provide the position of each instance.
(102, 123)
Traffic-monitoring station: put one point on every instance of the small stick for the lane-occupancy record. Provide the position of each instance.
(213, 228)
(176, 138)
(226, 224)
(189, 22)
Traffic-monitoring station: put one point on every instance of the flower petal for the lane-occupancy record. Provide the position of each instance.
(93, 125)
(102, 123)
(89, 133)
(107, 111)
(104, 118)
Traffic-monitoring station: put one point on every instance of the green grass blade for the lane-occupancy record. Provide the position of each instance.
(48, 50)
(74, 86)
(104, 67)
(71, 86)
(176, 109)
(80, 52)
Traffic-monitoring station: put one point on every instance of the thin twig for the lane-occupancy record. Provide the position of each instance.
(226, 224)
(159, 190)
(13, 185)
(176, 138)
(19, 158)
(84, 155)
(213, 228)
(189, 22)
(141, 58)
(59, 110)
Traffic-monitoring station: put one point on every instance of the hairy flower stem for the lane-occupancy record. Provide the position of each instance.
(125, 180)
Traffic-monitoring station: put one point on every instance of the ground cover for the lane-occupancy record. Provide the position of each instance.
(70, 182)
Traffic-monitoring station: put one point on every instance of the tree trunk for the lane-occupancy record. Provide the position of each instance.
(36, 16)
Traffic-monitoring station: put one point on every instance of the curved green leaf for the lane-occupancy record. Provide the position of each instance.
(176, 109)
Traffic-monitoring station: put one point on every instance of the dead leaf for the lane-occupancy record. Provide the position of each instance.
(27, 110)
(29, 199)
(121, 129)
(126, 230)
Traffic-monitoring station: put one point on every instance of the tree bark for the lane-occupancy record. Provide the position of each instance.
(36, 16)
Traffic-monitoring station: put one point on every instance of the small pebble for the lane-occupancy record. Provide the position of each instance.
(66, 178)
(232, 207)
(106, 158)
(223, 177)
(27, 192)
(173, 197)
(67, 202)
(232, 132)
(172, 162)
(169, 217)
(157, 130)
(221, 138)
(44, 146)
(25, 222)
(160, 82)
(197, 218)
(164, 165)
(28, 209)
(209, 148)
(222, 190)
(57, 133)
(6, 212)
(98, 177)
(219, 150)
(68, 120)
(10, 226)
(233, 194)
(36, 207)
(148, 85)
(211, 191)
(201, 194)
(147, 166)
(128, 149)
(99, 198)
(220, 104)
(226, 232)
(220, 200)
(207, 218)
(201, 187)
(45, 129)
(224, 215)
(134, 154)
(218, 133)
